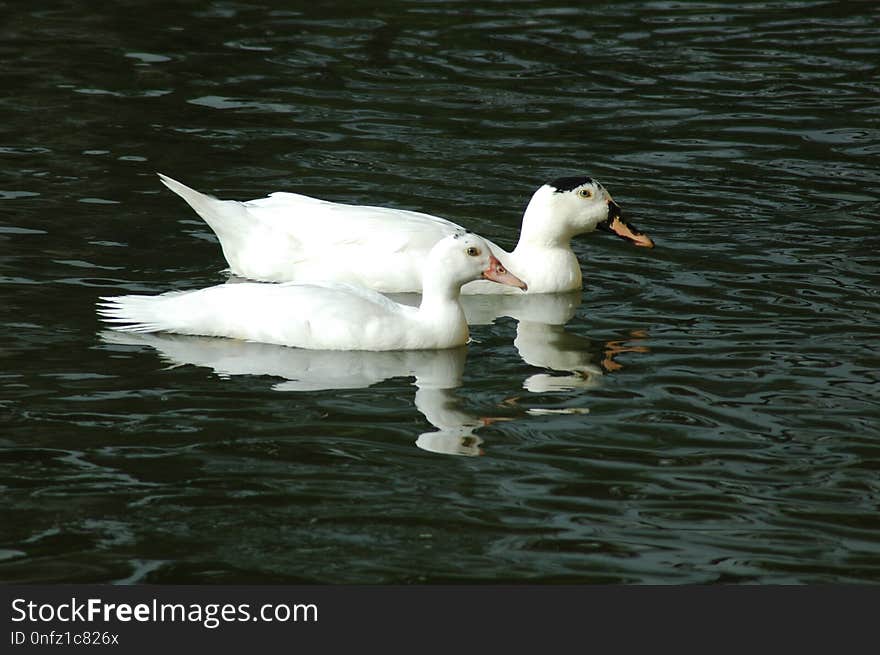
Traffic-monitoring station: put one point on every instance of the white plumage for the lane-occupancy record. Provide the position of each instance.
(292, 237)
(323, 315)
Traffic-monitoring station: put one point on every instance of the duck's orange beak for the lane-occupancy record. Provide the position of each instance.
(624, 229)
(497, 273)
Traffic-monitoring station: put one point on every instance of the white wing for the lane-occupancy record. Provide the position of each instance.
(288, 236)
(325, 316)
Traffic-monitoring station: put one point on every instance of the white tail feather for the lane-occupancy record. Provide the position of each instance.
(222, 216)
(136, 313)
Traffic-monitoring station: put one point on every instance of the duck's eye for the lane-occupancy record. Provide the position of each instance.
(472, 252)
(585, 193)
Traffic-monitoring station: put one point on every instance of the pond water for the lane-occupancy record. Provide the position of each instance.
(703, 412)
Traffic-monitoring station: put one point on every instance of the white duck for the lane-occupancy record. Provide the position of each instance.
(325, 315)
(291, 237)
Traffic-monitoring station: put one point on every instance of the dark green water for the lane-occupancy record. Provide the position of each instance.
(708, 413)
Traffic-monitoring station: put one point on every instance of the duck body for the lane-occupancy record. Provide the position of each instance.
(276, 239)
(315, 316)
(325, 315)
(287, 237)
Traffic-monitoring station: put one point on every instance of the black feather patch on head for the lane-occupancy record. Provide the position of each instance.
(570, 183)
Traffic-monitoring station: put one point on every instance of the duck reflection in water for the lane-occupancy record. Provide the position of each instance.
(437, 374)
(542, 340)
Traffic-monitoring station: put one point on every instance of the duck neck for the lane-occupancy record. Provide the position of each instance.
(440, 308)
(439, 295)
(541, 232)
(544, 254)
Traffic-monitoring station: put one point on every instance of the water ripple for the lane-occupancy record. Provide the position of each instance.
(706, 411)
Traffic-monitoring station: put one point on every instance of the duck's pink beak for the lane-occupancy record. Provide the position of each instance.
(497, 273)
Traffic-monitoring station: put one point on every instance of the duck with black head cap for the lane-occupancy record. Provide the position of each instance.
(291, 237)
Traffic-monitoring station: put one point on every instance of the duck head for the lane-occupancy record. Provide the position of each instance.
(569, 206)
(465, 257)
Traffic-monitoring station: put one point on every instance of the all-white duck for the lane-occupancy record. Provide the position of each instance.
(324, 315)
(292, 237)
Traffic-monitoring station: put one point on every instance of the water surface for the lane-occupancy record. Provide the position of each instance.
(703, 412)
